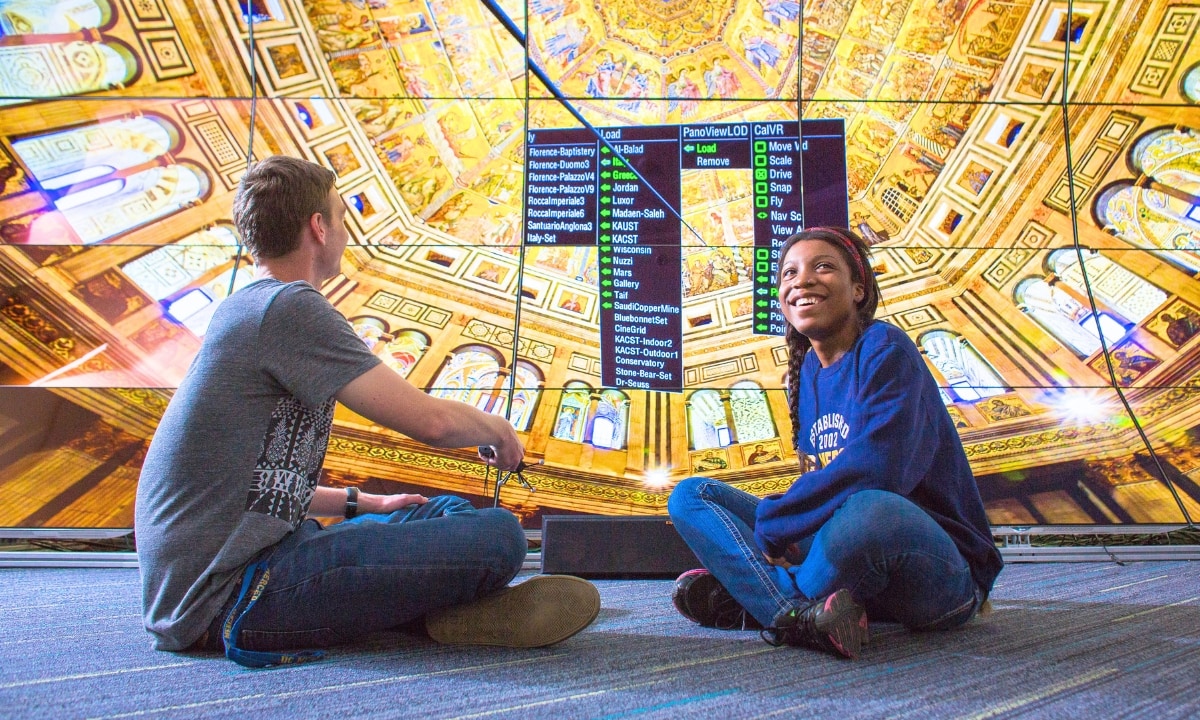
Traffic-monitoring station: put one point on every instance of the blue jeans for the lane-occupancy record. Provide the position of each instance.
(330, 585)
(890, 554)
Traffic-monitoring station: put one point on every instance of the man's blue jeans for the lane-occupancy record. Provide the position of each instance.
(889, 553)
(329, 585)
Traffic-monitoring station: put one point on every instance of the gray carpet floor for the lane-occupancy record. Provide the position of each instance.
(1070, 640)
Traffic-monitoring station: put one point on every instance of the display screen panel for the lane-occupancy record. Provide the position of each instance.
(1026, 174)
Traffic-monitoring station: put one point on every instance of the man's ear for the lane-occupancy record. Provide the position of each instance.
(860, 293)
(316, 225)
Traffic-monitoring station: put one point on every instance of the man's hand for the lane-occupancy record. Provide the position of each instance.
(508, 453)
(488, 455)
(331, 502)
(388, 503)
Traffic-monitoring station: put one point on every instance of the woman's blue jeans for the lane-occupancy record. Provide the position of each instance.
(890, 554)
(329, 585)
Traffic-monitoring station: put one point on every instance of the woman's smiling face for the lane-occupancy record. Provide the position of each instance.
(819, 298)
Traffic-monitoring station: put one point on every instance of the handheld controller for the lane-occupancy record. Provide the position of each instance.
(487, 452)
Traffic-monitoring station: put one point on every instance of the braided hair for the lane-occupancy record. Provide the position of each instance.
(855, 252)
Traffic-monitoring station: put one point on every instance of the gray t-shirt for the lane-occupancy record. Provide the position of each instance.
(238, 453)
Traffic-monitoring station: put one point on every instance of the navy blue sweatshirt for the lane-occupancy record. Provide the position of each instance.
(875, 420)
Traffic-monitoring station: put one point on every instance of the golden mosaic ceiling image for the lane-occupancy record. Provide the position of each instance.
(1027, 173)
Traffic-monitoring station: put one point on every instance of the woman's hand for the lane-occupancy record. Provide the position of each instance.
(777, 561)
(791, 556)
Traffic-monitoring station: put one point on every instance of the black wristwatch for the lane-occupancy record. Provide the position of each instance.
(351, 502)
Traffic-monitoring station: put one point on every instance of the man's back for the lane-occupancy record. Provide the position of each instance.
(236, 457)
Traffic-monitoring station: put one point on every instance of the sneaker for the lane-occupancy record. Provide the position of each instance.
(835, 624)
(701, 598)
(543, 610)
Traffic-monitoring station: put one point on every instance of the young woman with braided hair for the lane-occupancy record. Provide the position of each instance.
(889, 522)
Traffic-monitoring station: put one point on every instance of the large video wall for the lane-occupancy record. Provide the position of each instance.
(1027, 171)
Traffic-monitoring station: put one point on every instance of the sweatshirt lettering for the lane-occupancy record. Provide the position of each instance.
(826, 431)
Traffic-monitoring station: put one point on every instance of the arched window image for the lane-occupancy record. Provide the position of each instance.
(166, 270)
(1118, 292)
(66, 69)
(1159, 209)
(572, 412)
(525, 398)
(602, 422)
(610, 423)
(371, 330)
(62, 50)
(181, 276)
(53, 17)
(708, 425)
(469, 375)
(1066, 318)
(1189, 84)
(194, 307)
(74, 156)
(752, 419)
(474, 374)
(400, 351)
(406, 347)
(967, 375)
(1168, 156)
(107, 178)
(1144, 218)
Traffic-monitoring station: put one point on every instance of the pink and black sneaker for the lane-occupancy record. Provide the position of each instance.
(701, 598)
(835, 623)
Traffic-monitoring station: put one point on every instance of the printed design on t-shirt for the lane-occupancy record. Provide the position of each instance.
(827, 435)
(289, 466)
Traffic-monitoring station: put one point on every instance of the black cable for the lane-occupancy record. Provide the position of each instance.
(521, 250)
(1111, 556)
(251, 20)
(566, 104)
(1074, 215)
(503, 476)
(520, 36)
(800, 111)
